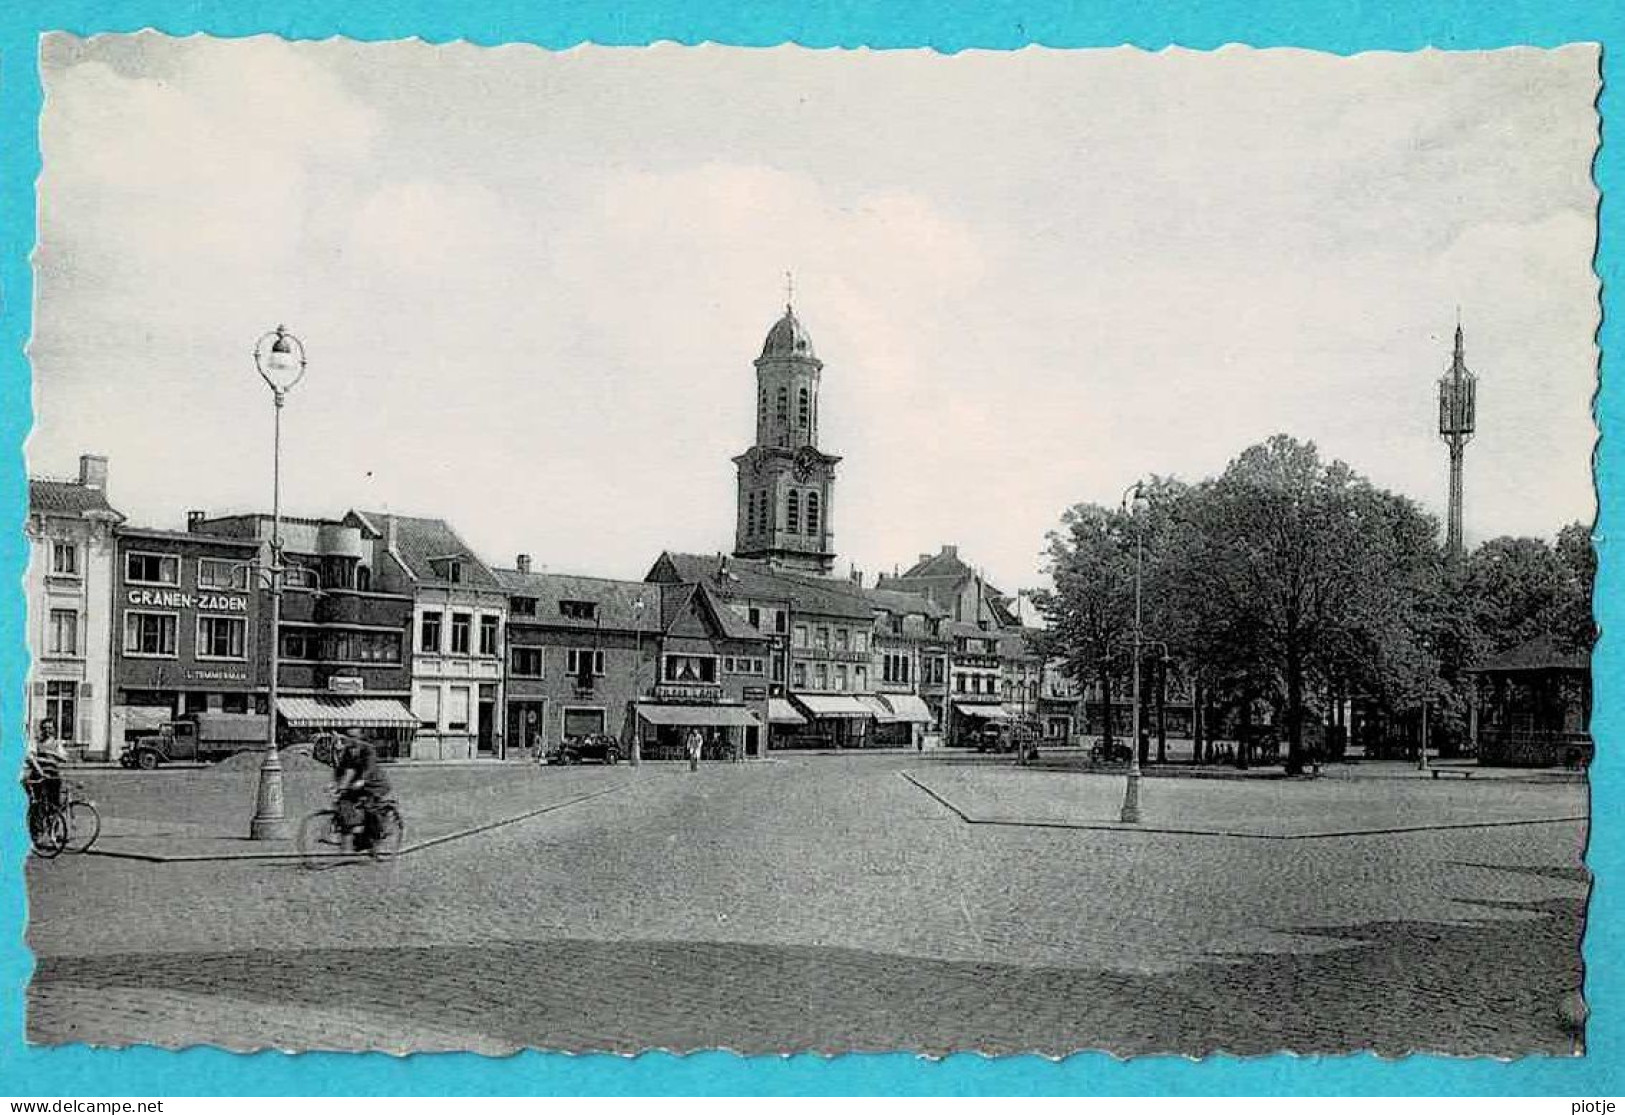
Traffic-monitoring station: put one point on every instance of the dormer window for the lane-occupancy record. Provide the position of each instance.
(578, 609)
(447, 568)
(523, 605)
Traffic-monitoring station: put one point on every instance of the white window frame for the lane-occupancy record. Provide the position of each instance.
(198, 646)
(238, 581)
(52, 632)
(440, 631)
(468, 634)
(173, 559)
(572, 661)
(132, 613)
(425, 695)
(469, 711)
(60, 546)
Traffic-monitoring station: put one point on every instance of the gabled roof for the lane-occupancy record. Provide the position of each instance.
(616, 600)
(905, 603)
(747, 579)
(1543, 652)
(67, 497)
(419, 541)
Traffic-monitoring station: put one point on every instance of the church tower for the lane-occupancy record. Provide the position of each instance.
(785, 512)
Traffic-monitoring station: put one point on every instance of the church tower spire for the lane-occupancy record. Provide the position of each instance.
(785, 482)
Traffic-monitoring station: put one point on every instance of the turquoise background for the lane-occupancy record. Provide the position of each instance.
(1346, 28)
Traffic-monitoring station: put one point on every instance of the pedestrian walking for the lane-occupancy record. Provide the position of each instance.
(695, 742)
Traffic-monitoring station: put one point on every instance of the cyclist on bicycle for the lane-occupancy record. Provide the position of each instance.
(42, 767)
(359, 785)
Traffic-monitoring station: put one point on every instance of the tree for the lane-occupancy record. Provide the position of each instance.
(1090, 608)
(1518, 589)
(1293, 570)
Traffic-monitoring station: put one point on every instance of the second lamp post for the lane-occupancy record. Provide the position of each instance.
(1134, 502)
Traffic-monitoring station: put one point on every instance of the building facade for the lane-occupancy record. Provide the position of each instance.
(343, 650)
(72, 562)
(459, 625)
(187, 631)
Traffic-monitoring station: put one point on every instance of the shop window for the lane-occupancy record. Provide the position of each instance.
(457, 705)
(152, 569)
(583, 721)
(489, 630)
(430, 641)
(214, 573)
(61, 708)
(151, 634)
(234, 702)
(64, 631)
(462, 624)
(527, 662)
(64, 559)
(222, 637)
(426, 706)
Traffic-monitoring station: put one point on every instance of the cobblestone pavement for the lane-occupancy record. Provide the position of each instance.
(827, 903)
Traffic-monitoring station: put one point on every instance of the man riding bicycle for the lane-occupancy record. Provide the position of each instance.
(359, 786)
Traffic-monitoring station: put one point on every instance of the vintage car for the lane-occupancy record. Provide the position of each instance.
(596, 747)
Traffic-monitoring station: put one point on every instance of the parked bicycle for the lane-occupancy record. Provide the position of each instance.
(324, 835)
(71, 826)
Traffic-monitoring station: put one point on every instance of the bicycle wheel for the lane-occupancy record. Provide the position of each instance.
(391, 834)
(319, 837)
(47, 831)
(84, 825)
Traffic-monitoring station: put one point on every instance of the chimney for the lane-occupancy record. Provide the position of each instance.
(950, 551)
(522, 563)
(93, 471)
(924, 558)
(389, 532)
(857, 576)
(194, 521)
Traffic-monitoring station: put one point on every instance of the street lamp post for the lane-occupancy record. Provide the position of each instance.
(636, 755)
(1134, 501)
(279, 357)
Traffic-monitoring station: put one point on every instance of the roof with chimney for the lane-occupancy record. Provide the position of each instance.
(423, 546)
(68, 497)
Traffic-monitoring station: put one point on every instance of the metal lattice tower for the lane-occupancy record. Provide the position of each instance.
(1458, 412)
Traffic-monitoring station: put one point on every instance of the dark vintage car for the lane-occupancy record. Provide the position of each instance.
(201, 738)
(595, 747)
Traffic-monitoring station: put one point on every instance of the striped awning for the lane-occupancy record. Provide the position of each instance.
(906, 708)
(983, 712)
(345, 712)
(822, 706)
(780, 711)
(882, 711)
(700, 716)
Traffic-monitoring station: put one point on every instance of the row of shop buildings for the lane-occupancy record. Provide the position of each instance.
(391, 623)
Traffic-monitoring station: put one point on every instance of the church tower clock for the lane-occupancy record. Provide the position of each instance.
(785, 512)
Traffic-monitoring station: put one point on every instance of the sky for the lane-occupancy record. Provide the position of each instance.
(532, 284)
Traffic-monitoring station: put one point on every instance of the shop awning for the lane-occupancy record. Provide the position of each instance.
(700, 716)
(345, 712)
(882, 712)
(780, 711)
(984, 712)
(828, 706)
(906, 708)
